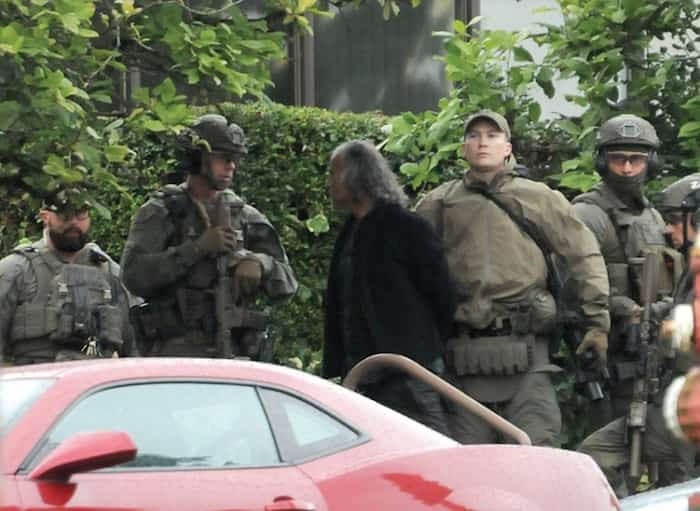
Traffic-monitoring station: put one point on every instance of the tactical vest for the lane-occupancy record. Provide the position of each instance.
(189, 306)
(74, 304)
(636, 236)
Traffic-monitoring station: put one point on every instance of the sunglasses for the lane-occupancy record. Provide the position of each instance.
(634, 159)
(67, 215)
(224, 156)
(673, 218)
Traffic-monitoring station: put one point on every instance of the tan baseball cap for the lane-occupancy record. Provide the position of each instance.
(489, 115)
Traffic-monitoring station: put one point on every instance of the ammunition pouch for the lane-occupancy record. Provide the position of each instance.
(34, 320)
(491, 356)
(619, 276)
(156, 321)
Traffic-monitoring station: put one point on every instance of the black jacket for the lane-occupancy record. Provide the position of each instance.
(403, 287)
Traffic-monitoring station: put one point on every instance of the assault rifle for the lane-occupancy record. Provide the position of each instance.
(225, 301)
(239, 331)
(646, 383)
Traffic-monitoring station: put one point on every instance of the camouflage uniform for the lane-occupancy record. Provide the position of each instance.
(505, 312)
(52, 310)
(161, 263)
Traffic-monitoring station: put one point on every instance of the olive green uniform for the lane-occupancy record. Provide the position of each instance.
(160, 263)
(623, 234)
(505, 313)
(54, 310)
(610, 219)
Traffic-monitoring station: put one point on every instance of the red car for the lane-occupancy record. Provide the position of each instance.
(203, 434)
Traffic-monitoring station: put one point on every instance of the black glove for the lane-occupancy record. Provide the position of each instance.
(215, 240)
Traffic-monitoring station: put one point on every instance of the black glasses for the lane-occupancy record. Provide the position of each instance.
(224, 156)
(634, 159)
(673, 218)
(70, 214)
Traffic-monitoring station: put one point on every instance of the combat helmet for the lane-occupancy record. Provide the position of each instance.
(210, 132)
(213, 132)
(626, 130)
(681, 196)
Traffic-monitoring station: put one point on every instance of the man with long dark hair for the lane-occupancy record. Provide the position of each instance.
(388, 287)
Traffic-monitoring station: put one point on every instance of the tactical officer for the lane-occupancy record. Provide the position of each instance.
(679, 205)
(61, 297)
(626, 227)
(499, 230)
(200, 256)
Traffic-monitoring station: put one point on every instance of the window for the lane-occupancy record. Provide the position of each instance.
(16, 395)
(178, 425)
(303, 430)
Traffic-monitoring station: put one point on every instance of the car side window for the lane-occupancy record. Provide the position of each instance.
(303, 430)
(179, 424)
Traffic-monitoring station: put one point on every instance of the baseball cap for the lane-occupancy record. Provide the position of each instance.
(489, 115)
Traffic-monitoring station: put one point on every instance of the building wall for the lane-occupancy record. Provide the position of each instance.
(518, 15)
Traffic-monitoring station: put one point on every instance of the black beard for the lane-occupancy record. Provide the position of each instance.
(64, 243)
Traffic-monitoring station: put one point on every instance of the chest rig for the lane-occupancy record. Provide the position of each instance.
(193, 300)
(636, 235)
(74, 304)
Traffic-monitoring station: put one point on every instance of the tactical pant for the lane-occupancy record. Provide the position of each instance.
(410, 397)
(610, 450)
(533, 408)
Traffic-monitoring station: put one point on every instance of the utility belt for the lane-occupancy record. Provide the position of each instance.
(499, 327)
(189, 314)
(502, 355)
(502, 348)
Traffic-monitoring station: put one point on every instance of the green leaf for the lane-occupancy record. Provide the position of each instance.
(690, 130)
(578, 180)
(409, 169)
(116, 153)
(570, 127)
(318, 224)
(618, 16)
(9, 113)
(154, 125)
(521, 54)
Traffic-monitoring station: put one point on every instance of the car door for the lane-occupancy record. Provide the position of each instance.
(201, 445)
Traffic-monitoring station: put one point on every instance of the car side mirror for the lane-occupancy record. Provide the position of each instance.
(84, 452)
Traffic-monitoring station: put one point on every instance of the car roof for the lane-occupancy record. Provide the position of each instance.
(110, 370)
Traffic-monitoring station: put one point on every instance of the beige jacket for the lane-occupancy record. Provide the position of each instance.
(496, 266)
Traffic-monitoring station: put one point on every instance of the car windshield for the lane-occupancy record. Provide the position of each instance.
(16, 395)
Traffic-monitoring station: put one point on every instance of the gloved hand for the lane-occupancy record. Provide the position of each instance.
(247, 276)
(215, 240)
(597, 340)
(623, 306)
